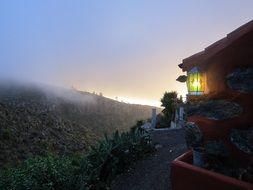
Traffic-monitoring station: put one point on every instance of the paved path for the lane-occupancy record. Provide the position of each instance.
(152, 173)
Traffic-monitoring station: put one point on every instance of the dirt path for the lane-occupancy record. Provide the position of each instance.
(152, 173)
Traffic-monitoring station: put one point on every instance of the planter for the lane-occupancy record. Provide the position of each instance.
(185, 176)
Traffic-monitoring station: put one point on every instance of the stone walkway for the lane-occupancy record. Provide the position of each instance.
(153, 172)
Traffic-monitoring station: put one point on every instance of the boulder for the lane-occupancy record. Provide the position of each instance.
(193, 135)
(214, 109)
(241, 79)
(147, 126)
(243, 139)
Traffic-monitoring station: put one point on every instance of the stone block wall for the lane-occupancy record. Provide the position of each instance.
(227, 112)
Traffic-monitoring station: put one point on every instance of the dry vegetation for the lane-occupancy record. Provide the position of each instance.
(38, 121)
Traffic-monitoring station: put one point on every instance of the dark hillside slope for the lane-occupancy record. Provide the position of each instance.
(38, 120)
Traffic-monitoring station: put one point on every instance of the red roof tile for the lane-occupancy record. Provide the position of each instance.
(201, 57)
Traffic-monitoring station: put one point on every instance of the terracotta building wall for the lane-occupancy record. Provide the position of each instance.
(237, 55)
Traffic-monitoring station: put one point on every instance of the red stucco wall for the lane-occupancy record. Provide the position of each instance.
(238, 55)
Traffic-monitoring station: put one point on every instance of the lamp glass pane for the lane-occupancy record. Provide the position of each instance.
(196, 82)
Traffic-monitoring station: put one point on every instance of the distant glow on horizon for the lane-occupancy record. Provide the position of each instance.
(154, 103)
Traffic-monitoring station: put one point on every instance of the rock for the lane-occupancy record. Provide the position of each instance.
(158, 146)
(243, 139)
(241, 80)
(147, 126)
(215, 109)
(193, 135)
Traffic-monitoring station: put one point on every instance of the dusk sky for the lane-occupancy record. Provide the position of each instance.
(128, 49)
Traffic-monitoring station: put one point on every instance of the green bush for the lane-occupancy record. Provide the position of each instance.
(95, 170)
(162, 121)
(112, 156)
(40, 173)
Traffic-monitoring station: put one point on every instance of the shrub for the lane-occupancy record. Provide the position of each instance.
(112, 156)
(168, 101)
(95, 170)
(40, 173)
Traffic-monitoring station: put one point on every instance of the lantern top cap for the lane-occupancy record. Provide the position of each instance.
(195, 70)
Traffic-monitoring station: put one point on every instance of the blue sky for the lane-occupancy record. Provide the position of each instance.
(129, 49)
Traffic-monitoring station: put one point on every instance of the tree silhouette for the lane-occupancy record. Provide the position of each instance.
(169, 101)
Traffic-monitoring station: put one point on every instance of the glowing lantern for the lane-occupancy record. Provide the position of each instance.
(196, 82)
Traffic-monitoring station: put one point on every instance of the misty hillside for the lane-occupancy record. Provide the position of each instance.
(38, 120)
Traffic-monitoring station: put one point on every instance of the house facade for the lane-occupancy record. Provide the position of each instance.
(220, 79)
